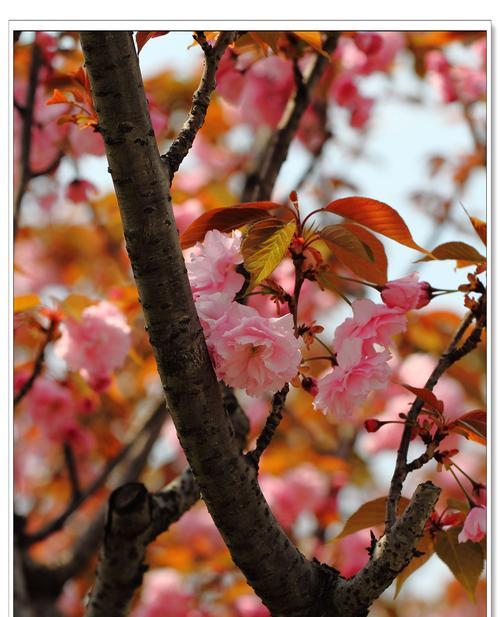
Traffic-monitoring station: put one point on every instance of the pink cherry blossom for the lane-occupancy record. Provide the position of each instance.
(352, 552)
(197, 526)
(187, 212)
(212, 264)
(372, 323)
(255, 353)
(230, 77)
(406, 293)
(349, 383)
(96, 344)
(164, 589)
(474, 528)
(268, 86)
(250, 606)
(368, 42)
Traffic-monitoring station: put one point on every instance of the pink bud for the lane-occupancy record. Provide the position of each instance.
(406, 293)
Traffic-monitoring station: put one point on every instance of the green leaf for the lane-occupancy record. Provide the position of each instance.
(264, 246)
(343, 237)
(455, 250)
(377, 216)
(426, 546)
(465, 559)
(225, 219)
(370, 514)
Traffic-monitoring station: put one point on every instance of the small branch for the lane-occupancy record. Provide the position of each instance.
(37, 366)
(69, 458)
(451, 355)
(48, 169)
(423, 459)
(150, 428)
(27, 116)
(260, 184)
(273, 421)
(201, 100)
(391, 555)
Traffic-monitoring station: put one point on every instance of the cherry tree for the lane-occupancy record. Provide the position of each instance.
(179, 339)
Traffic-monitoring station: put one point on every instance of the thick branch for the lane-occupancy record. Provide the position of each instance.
(201, 100)
(260, 184)
(392, 554)
(450, 356)
(280, 575)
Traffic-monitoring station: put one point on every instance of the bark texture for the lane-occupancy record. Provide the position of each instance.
(278, 572)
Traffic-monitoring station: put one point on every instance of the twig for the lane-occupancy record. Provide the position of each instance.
(201, 100)
(37, 366)
(69, 458)
(273, 421)
(451, 355)
(260, 184)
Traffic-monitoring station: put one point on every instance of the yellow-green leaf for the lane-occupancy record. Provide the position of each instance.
(456, 250)
(264, 246)
(24, 303)
(465, 559)
(370, 514)
(426, 546)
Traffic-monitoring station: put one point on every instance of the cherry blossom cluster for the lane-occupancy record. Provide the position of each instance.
(249, 351)
(96, 344)
(361, 343)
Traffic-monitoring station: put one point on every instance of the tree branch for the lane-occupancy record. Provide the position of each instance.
(27, 117)
(260, 184)
(391, 555)
(201, 100)
(280, 575)
(273, 421)
(450, 356)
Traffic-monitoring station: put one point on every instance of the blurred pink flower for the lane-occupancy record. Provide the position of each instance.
(372, 323)
(255, 353)
(164, 590)
(78, 191)
(352, 552)
(474, 528)
(187, 212)
(360, 111)
(212, 264)
(349, 383)
(268, 86)
(230, 77)
(250, 606)
(344, 90)
(96, 344)
(406, 293)
(197, 525)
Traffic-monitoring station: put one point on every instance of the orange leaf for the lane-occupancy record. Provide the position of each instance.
(24, 303)
(374, 271)
(339, 235)
(56, 98)
(473, 424)
(460, 251)
(429, 398)
(314, 40)
(225, 219)
(375, 215)
(370, 514)
(141, 38)
(480, 228)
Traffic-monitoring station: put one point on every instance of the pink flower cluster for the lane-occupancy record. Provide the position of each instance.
(361, 342)
(459, 82)
(53, 408)
(248, 350)
(96, 344)
(164, 590)
(475, 524)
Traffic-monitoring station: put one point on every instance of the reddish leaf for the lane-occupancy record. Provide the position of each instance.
(370, 514)
(425, 546)
(225, 219)
(430, 400)
(56, 98)
(141, 38)
(339, 235)
(374, 271)
(472, 425)
(377, 216)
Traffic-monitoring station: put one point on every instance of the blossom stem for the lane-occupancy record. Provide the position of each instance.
(471, 502)
(471, 480)
(316, 337)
